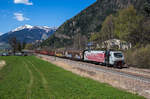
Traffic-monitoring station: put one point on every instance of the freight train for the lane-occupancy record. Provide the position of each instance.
(107, 58)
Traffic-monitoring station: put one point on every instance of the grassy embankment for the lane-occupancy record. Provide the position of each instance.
(32, 78)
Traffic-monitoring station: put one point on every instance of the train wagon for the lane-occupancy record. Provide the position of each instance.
(44, 52)
(60, 53)
(74, 54)
(51, 53)
(37, 51)
(109, 58)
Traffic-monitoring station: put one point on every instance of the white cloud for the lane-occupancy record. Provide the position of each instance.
(26, 2)
(20, 17)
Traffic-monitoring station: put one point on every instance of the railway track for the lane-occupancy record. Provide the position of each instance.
(92, 67)
(121, 73)
(135, 76)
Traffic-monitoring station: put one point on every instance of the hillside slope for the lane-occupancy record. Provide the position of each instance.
(89, 21)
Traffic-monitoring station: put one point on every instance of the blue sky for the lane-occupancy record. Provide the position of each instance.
(14, 13)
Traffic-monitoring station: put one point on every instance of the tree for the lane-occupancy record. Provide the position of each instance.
(83, 42)
(144, 32)
(29, 46)
(13, 43)
(94, 36)
(107, 31)
(23, 45)
(76, 41)
(126, 23)
(16, 45)
(146, 9)
(19, 46)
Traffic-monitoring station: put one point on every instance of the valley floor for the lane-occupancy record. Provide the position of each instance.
(32, 78)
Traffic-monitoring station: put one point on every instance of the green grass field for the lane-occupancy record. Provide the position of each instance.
(32, 78)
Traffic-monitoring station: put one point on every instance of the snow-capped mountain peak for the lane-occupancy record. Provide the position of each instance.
(46, 28)
(28, 33)
(29, 27)
(22, 27)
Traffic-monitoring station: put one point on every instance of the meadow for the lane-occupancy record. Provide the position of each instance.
(32, 78)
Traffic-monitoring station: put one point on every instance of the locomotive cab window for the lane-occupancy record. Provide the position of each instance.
(118, 55)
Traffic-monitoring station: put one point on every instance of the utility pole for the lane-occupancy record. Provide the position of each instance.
(54, 51)
(79, 41)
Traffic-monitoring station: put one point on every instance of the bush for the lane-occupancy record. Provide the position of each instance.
(138, 57)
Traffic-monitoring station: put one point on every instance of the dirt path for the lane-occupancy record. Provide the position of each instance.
(31, 81)
(44, 81)
(2, 64)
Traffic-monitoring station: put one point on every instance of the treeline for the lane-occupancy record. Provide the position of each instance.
(125, 25)
(16, 45)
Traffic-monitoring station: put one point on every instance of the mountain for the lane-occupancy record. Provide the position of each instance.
(89, 21)
(28, 33)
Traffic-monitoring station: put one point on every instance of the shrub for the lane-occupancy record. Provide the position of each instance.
(138, 57)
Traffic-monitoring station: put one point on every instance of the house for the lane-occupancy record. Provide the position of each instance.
(117, 44)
